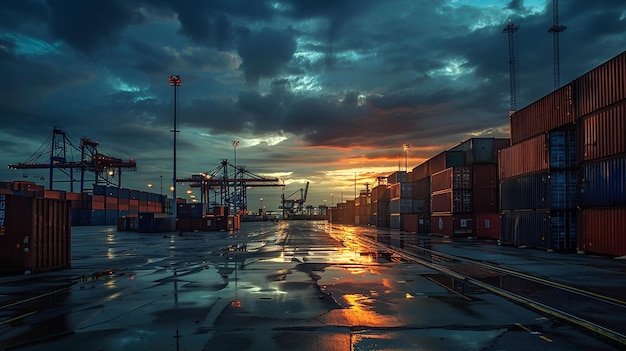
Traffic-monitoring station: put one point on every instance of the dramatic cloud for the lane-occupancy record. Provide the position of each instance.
(319, 91)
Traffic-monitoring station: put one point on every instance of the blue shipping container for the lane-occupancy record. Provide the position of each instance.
(545, 190)
(555, 230)
(603, 183)
(562, 149)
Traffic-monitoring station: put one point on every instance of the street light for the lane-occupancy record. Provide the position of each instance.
(175, 81)
(332, 197)
(173, 200)
(149, 186)
(261, 211)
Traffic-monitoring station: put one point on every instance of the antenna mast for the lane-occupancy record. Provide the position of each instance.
(555, 30)
(511, 29)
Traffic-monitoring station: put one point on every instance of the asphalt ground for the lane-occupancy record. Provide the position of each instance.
(288, 285)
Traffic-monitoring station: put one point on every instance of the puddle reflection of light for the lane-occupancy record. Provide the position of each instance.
(111, 254)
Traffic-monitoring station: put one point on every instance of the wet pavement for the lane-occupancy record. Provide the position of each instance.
(288, 285)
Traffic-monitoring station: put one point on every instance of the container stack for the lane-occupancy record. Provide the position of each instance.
(362, 208)
(419, 220)
(379, 208)
(105, 204)
(601, 107)
(400, 198)
(464, 196)
(538, 175)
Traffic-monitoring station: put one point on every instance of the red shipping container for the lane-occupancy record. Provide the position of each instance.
(421, 171)
(485, 200)
(209, 223)
(603, 231)
(602, 134)
(410, 222)
(485, 175)
(452, 225)
(441, 180)
(35, 234)
(602, 86)
(183, 224)
(441, 201)
(421, 188)
(488, 225)
(550, 112)
(528, 156)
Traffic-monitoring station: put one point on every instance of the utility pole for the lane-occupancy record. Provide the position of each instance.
(175, 81)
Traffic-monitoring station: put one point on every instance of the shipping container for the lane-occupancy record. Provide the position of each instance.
(452, 178)
(421, 188)
(485, 175)
(487, 225)
(485, 200)
(410, 223)
(452, 201)
(554, 230)
(35, 234)
(97, 202)
(603, 231)
(452, 225)
(380, 192)
(601, 134)
(549, 112)
(528, 156)
(395, 221)
(546, 190)
(602, 86)
(401, 205)
(481, 150)
(422, 171)
(400, 190)
(562, 148)
(421, 205)
(603, 183)
(445, 160)
(441, 202)
(397, 177)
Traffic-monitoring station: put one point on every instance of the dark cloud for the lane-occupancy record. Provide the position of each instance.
(265, 53)
(91, 25)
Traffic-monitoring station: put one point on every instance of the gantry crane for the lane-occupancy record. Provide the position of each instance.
(61, 157)
(223, 188)
(291, 206)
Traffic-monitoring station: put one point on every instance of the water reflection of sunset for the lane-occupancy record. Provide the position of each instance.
(362, 312)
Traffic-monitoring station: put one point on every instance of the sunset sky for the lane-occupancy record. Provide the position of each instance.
(318, 91)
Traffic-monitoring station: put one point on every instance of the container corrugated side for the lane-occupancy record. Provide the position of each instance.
(602, 134)
(35, 234)
(549, 112)
(602, 86)
(485, 175)
(485, 200)
(545, 190)
(562, 148)
(421, 188)
(555, 230)
(526, 157)
(421, 171)
(603, 183)
(603, 231)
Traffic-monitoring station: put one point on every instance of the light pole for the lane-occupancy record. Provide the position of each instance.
(172, 189)
(149, 186)
(406, 148)
(261, 210)
(175, 81)
(161, 184)
(332, 197)
(236, 199)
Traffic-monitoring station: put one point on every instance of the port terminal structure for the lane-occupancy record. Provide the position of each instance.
(57, 153)
(227, 185)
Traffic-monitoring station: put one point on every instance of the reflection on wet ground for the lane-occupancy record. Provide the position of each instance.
(298, 285)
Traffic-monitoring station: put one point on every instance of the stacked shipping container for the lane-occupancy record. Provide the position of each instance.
(464, 196)
(601, 108)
